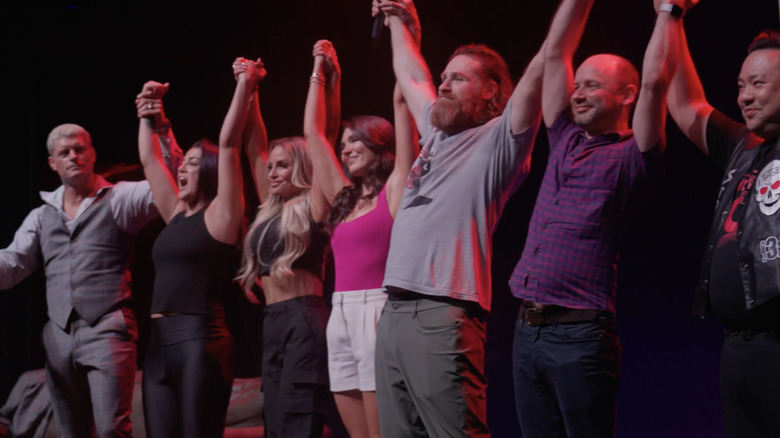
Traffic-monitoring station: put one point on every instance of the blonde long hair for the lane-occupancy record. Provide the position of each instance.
(294, 215)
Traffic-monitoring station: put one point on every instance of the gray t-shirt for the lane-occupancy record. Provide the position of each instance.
(458, 187)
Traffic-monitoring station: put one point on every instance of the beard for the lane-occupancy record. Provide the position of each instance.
(453, 115)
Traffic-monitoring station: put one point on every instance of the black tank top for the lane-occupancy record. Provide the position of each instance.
(193, 270)
(272, 246)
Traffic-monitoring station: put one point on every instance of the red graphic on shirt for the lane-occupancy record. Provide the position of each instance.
(420, 169)
(744, 186)
(774, 187)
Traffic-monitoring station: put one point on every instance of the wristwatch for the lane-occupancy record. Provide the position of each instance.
(674, 10)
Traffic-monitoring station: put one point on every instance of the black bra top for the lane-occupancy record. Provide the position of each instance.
(272, 246)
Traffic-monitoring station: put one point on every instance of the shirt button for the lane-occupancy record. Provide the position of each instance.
(546, 225)
(557, 202)
(565, 179)
(536, 250)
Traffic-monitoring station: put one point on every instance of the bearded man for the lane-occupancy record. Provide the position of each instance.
(476, 150)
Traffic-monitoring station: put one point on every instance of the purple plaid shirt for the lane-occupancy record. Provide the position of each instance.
(571, 252)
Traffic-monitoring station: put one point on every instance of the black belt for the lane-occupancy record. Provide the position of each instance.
(750, 334)
(471, 307)
(539, 315)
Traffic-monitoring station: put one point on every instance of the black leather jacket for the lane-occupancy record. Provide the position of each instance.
(758, 231)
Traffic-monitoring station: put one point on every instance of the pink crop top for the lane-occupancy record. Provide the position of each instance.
(360, 248)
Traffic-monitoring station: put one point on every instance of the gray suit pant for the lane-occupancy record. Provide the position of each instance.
(90, 373)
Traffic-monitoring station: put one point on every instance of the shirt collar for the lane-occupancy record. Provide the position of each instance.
(608, 137)
(54, 198)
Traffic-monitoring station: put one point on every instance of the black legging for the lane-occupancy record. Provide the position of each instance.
(187, 377)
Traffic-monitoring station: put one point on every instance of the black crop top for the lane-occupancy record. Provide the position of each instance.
(272, 247)
(193, 270)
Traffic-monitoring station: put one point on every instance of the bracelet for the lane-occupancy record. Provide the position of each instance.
(317, 78)
(673, 10)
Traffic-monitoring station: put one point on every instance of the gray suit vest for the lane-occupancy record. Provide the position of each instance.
(86, 269)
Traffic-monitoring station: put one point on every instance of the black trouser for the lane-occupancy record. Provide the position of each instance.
(187, 377)
(750, 384)
(295, 367)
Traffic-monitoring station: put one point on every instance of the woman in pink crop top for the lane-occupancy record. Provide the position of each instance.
(362, 206)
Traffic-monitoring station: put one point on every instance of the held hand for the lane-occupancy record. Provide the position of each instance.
(252, 71)
(153, 90)
(257, 71)
(376, 10)
(239, 67)
(325, 49)
(148, 108)
(404, 10)
(153, 110)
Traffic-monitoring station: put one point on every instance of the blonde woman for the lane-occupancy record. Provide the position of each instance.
(284, 250)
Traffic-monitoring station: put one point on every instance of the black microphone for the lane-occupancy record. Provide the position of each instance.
(379, 23)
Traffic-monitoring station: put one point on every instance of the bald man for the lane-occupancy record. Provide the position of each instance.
(566, 352)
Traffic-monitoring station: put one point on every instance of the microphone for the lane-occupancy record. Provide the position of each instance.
(379, 23)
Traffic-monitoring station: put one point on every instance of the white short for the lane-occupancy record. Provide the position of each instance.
(351, 336)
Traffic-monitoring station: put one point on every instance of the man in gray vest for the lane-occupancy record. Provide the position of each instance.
(81, 235)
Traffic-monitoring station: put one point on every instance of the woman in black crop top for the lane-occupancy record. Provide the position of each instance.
(284, 251)
(188, 369)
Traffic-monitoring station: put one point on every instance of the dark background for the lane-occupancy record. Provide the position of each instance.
(83, 62)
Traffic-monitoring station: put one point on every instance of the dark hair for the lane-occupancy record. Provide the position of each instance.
(768, 39)
(494, 68)
(379, 136)
(207, 173)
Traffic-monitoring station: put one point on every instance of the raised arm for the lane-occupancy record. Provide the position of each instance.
(226, 212)
(407, 147)
(328, 178)
(171, 152)
(658, 67)
(255, 136)
(687, 103)
(562, 41)
(411, 71)
(332, 95)
(527, 98)
(151, 115)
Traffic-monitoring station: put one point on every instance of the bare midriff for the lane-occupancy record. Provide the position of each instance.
(302, 283)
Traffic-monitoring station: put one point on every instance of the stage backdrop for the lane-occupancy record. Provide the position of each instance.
(84, 61)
